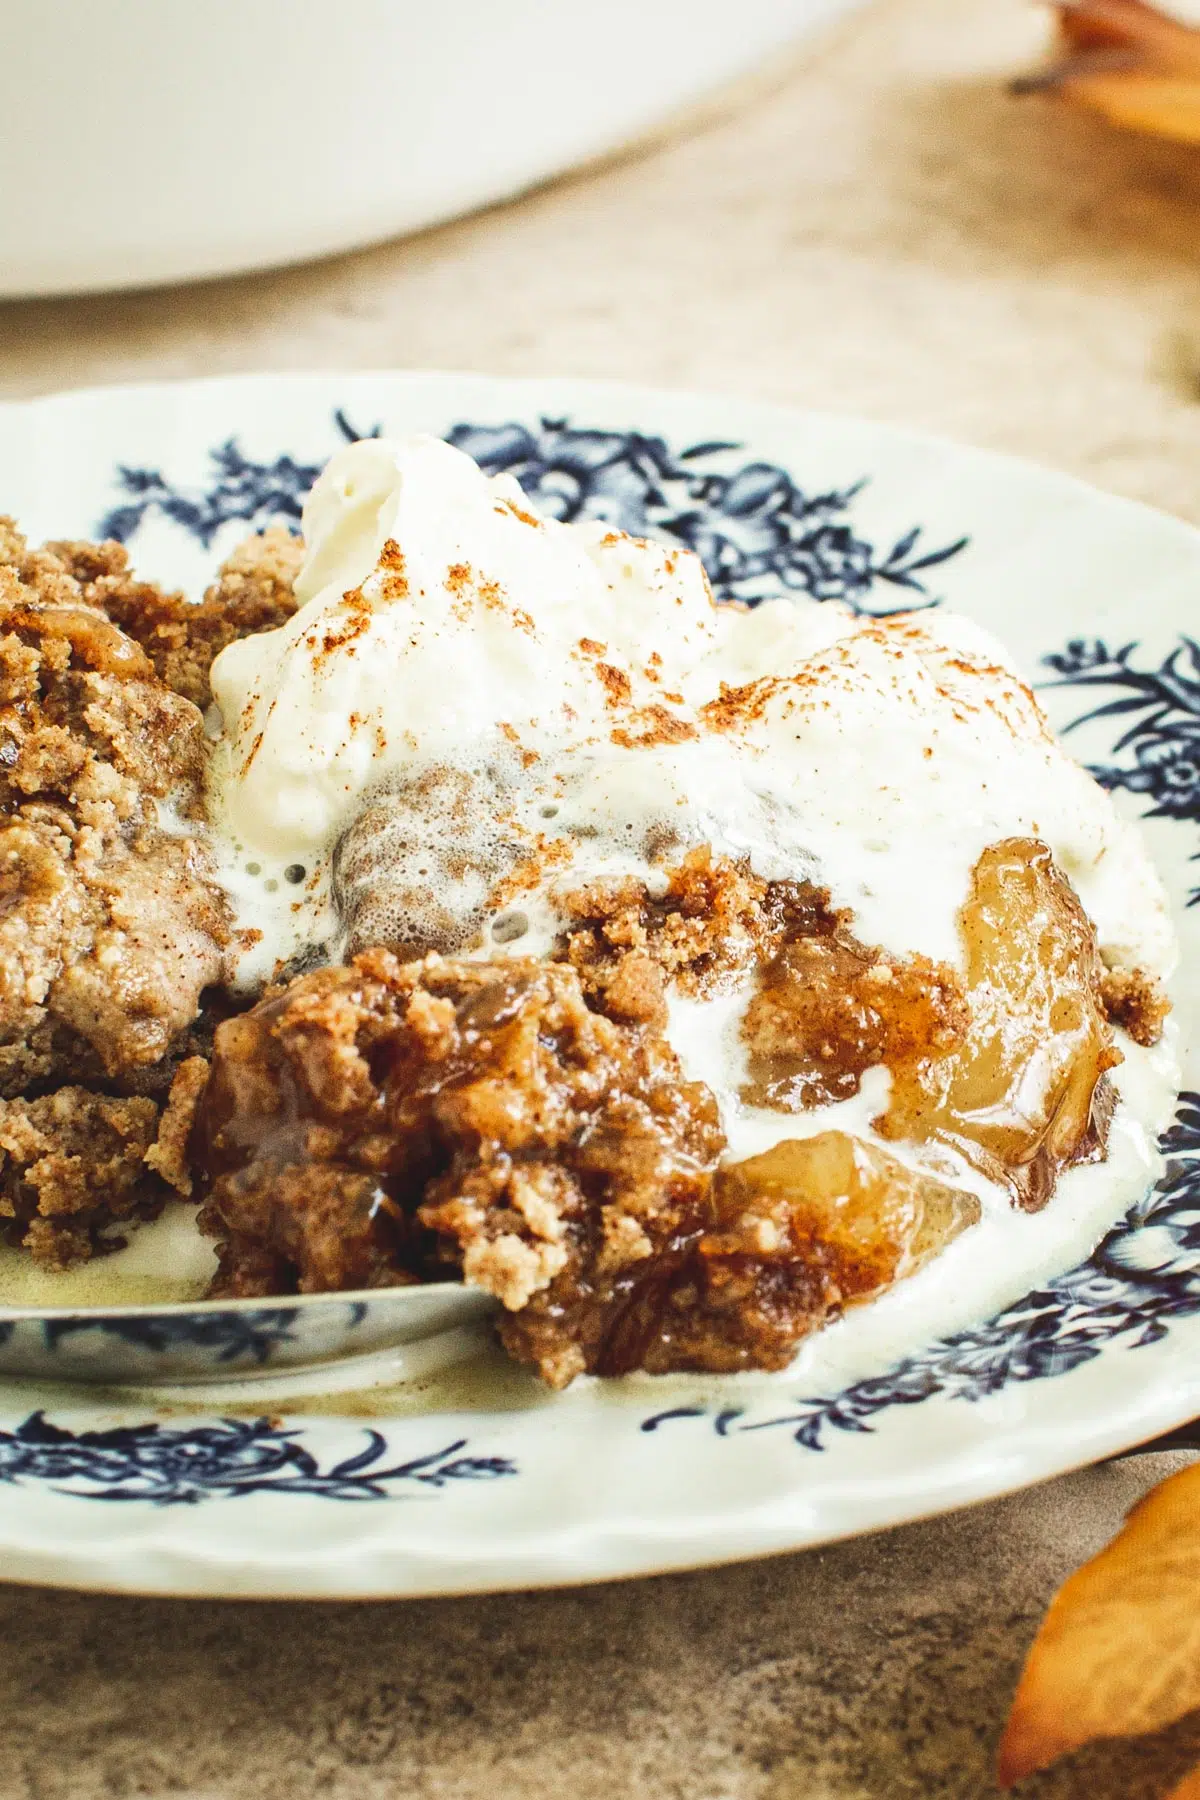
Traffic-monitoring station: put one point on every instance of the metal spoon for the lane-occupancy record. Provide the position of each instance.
(226, 1339)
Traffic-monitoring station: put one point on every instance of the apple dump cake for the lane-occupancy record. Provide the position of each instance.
(457, 895)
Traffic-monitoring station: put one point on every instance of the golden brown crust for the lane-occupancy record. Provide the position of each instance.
(461, 1105)
(371, 1124)
(111, 925)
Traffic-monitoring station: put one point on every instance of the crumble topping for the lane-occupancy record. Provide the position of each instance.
(253, 592)
(112, 928)
(72, 1165)
(462, 1114)
(713, 920)
(375, 1122)
(169, 1156)
(110, 925)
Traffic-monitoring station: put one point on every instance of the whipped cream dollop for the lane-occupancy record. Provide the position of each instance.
(475, 710)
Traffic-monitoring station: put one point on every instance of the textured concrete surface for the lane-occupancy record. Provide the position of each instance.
(876, 227)
(876, 1670)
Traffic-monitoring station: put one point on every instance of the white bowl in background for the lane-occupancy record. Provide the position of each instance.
(147, 141)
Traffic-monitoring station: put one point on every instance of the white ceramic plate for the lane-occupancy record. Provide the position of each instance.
(438, 1467)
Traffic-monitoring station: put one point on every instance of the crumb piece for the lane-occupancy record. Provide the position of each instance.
(169, 1155)
(73, 1164)
(637, 991)
(1135, 1001)
(254, 591)
(712, 921)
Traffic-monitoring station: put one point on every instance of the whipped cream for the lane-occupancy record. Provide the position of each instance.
(523, 705)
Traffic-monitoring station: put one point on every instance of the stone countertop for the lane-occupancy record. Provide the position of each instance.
(875, 227)
(875, 1670)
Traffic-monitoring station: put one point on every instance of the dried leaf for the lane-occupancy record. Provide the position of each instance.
(1125, 59)
(1169, 108)
(1188, 1789)
(1118, 1653)
(1161, 41)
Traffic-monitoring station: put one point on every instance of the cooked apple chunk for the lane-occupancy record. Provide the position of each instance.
(783, 1243)
(840, 1205)
(1023, 1095)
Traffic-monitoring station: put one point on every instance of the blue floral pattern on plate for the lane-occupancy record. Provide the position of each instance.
(253, 493)
(225, 1459)
(1159, 749)
(756, 531)
(228, 1336)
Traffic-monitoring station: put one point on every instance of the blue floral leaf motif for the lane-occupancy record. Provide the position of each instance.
(1082, 656)
(231, 1336)
(711, 447)
(1144, 1275)
(239, 488)
(478, 1468)
(350, 432)
(227, 1459)
(673, 1412)
(121, 522)
(371, 1452)
(1157, 755)
(141, 481)
(902, 569)
(37, 1429)
(903, 547)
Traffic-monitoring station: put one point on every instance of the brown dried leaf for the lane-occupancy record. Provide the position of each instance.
(1160, 41)
(1130, 62)
(1118, 1653)
(1169, 108)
